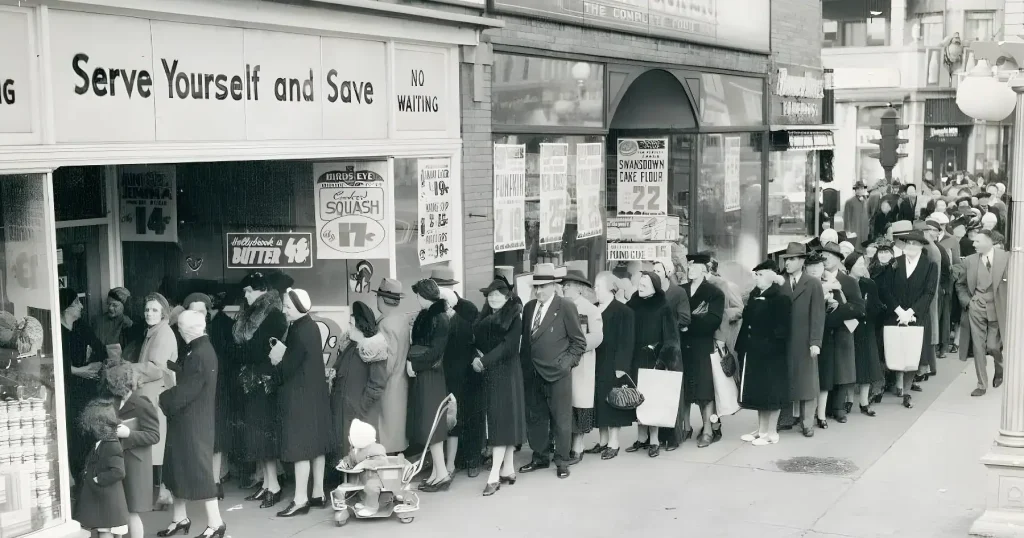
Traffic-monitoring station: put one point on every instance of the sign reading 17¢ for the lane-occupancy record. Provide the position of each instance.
(351, 211)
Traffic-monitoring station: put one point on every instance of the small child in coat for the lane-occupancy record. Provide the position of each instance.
(101, 505)
(366, 455)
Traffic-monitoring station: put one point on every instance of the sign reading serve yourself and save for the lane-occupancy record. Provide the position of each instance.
(126, 79)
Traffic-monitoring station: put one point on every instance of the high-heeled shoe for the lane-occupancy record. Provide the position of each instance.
(294, 510)
(491, 489)
(637, 445)
(866, 410)
(211, 532)
(220, 491)
(510, 479)
(259, 495)
(610, 453)
(318, 502)
(438, 486)
(183, 525)
(597, 449)
(906, 402)
(821, 423)
(270, 499)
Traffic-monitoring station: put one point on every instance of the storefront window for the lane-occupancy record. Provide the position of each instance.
(730, 101)
(29, 452)
(729, 219)
(570, 248)
(792, 207)
(406, 240)
(538, 91)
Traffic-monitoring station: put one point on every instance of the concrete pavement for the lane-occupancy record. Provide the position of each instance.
(907, 473)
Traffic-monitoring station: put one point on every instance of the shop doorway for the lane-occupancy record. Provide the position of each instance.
(80, 264)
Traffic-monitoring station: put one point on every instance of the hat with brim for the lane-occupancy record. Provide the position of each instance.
(498, 284)
(832, 248)
(699, 257)
(427, 289)
(914, 236)
(933, 225)
(795, 250)
(767, 265)
(544, 273)
(444, 276)
(389, 289)
(814, 258)
(575, 275)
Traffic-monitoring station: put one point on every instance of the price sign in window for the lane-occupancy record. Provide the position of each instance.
(148, 199)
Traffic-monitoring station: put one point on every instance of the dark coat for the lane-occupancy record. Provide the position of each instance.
(189, 406)
(101, 501)
(869, 365)
(806, 330)
(558, 344)
(361, 374)
(856, 217)
(219, 330)
(614, 354)
(880, 223)
(427, 390)
(911, 293)
(256, 324)
(305, 406)
(762, 348)
(459, 377)
(837, 364)
(497, 336)
(698, 342)
(138, 451)
(679, 303)
(907, 209)
(655, 333)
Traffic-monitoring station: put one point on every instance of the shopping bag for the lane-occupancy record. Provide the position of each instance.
(662, 390)
(583, 381)
(727, 394)
(903, 347)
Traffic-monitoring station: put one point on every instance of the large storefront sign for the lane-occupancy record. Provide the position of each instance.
(642, 173)
(352, 210)
(123, 79)
(509, 197)
(735, 24)
(435, 211)
(554, 168)
(797, 96)
(589, 175)
(15, 90)
(269, 250)
(148, 196)
(644, 252)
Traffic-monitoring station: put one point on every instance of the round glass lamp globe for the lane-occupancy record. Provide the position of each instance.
(581, 71)
(985, 98)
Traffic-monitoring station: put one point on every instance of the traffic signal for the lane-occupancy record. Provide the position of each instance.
(888, 153)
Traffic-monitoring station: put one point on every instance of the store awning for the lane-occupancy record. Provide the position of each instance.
(805, 140)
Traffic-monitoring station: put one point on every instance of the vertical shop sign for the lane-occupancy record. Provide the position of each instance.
(24, 243)
(352, 210)
(149, 206)
(554, 167)
(509, 197)
(435, 205)
(731, 162)
(589, 172)
(642, 176)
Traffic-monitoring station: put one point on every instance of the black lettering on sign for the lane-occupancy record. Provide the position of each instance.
(348, 91)
(200, 86)
(293, 89)
(7, 92)
(104, 81)
(418, 78)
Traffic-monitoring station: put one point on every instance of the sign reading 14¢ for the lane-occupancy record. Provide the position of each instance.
(149, 205)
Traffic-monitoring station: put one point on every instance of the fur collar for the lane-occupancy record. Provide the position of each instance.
(250, 319)
(504, 317)
(426, 321)
(372, 349)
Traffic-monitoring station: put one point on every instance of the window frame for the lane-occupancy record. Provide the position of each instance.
(985, 15)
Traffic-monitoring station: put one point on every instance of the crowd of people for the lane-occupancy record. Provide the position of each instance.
(164, 409)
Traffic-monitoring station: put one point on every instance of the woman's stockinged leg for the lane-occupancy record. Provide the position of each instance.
(497, 461)
(508, 466)
(613, 437)
(213, 518)
(301, 483)
(218, 459)
(437, 454)
(319, 468)
(773, 421)
(762, 423)
(577, 443)
(451, 450)
(602, 436)
(179, 511)
(865, 392)
(270, 476)
(706, 411)
(135, 528)
(822, 404)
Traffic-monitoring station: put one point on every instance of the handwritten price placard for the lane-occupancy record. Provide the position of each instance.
(509, 197)
(554, 168)
(435, 206)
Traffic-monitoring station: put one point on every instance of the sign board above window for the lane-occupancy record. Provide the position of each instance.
(797, 95)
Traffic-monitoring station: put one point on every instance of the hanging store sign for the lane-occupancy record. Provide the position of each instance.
(628, 252)
(15, 71)
(734, 24)
(269, 250)
(352, 210)
(589, 175)
(509, 197)
(797, 96)
(642, 176)
(943, 132)
(554, 169)
(126, 79)
(148, 201)
(731, 164)
(435, 207)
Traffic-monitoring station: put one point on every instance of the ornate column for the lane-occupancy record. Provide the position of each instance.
(1004, 512)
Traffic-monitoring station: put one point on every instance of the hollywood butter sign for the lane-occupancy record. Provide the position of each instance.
(129, 79)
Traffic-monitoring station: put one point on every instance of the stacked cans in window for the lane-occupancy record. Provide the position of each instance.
(25, 448)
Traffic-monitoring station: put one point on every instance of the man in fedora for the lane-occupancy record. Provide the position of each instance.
(574, 287)
(396, 327)
(843, 303)
(444, 277)
(552, 345)
(856, 219)
(982, 291)
(807, 327)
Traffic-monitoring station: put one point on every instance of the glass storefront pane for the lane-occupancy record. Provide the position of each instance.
(729, 208)
(792, 176)
(591, 249)
(730, 101)
(29, 452)
(537, 91)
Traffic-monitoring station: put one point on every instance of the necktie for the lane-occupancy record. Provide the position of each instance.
(988, 263)
(537, 318)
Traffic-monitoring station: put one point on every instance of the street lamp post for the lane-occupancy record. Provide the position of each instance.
(984, 96)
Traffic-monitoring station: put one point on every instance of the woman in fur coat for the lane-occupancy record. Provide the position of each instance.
(427, 387)
(261, 320)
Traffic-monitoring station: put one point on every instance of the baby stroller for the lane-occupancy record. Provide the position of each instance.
(396, 495)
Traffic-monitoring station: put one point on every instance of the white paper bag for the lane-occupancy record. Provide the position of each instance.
(662, 390)
(727, 395)
(277, 349)
(851, 324)
(583, 382)
(903, 347)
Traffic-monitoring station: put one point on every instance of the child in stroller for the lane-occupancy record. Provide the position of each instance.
(366, 455)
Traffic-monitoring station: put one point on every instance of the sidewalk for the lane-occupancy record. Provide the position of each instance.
(907, 473)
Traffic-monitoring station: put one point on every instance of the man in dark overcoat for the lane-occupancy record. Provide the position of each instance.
(844, 304)
(805, 335)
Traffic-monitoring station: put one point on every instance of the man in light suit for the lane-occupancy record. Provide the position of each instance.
(982, 291)
(552, 345)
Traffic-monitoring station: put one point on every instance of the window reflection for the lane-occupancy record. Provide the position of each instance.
(531, 90)
(728, 101)
(791, 201)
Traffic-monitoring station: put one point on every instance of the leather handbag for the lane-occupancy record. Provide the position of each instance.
(727, 358)
(626, 398)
